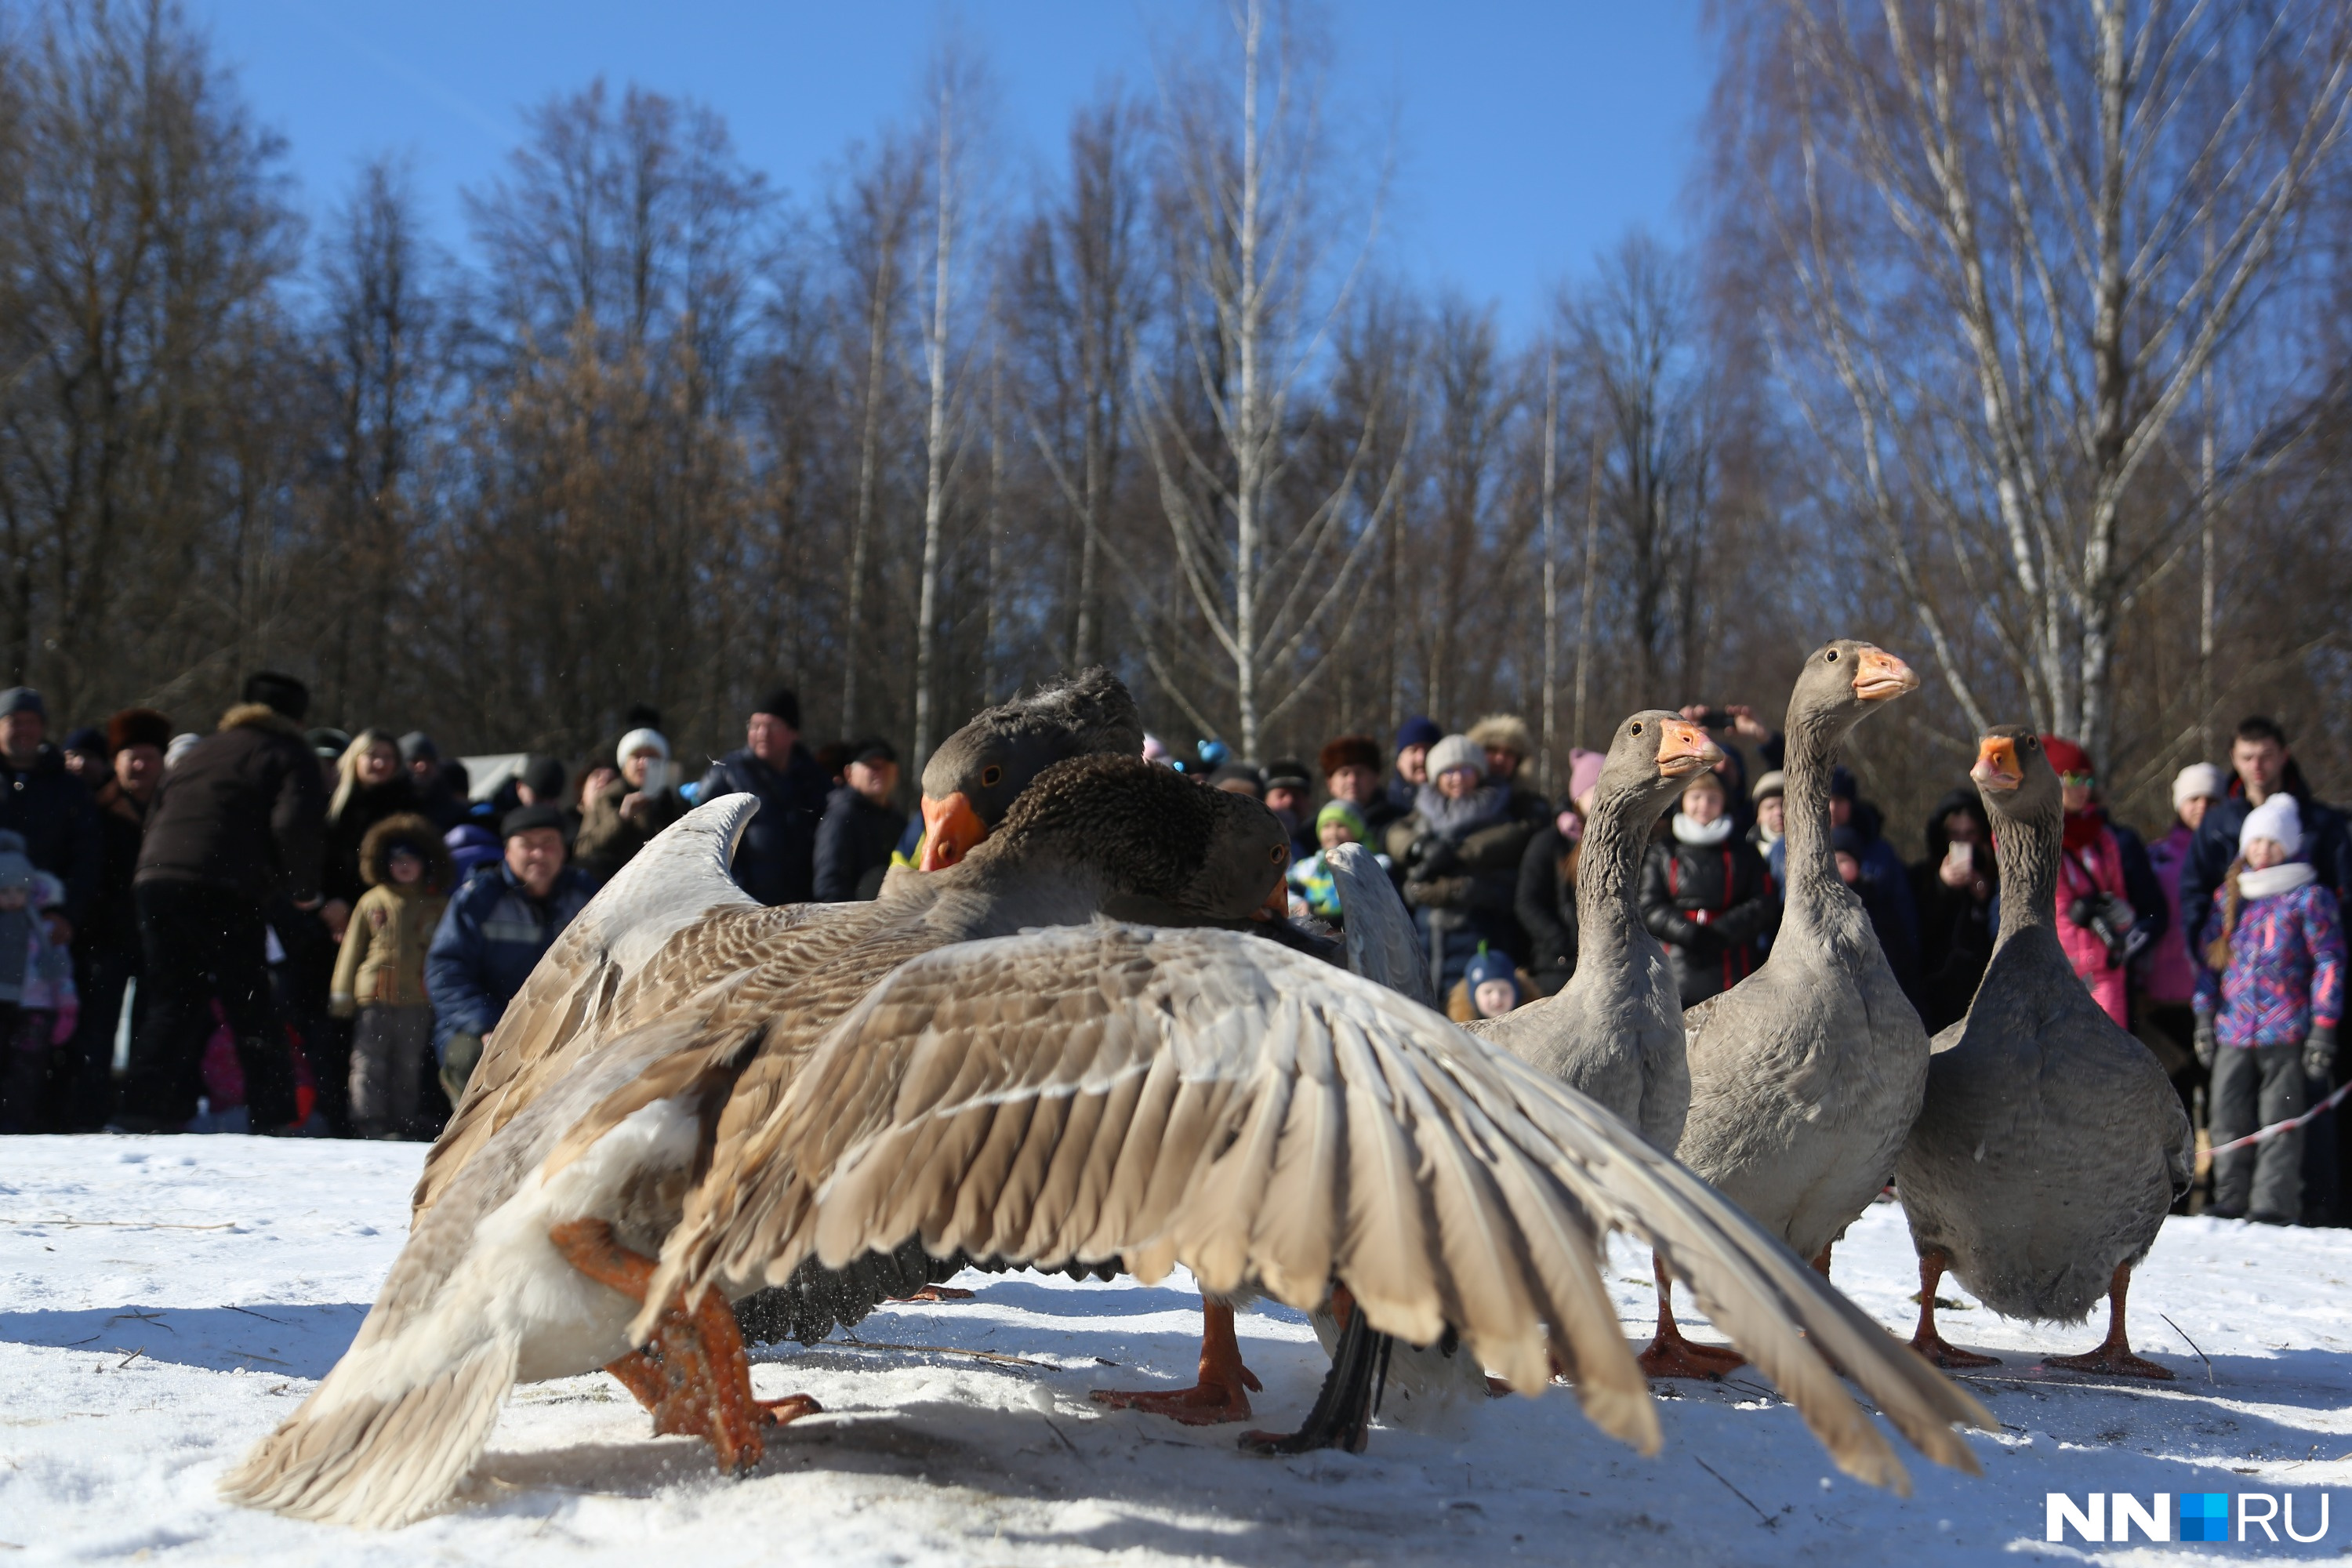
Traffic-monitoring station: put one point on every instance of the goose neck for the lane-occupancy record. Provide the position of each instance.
(1609, 867)
(1805, 811)
(2026, 849)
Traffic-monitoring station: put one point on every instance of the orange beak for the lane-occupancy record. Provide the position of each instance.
(1684, 749)
(950, 827)
(1879, 675)
(1996, 766)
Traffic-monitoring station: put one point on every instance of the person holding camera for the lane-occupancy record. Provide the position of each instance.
(2102, 925)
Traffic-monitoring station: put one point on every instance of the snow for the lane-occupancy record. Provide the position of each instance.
(164, 1301)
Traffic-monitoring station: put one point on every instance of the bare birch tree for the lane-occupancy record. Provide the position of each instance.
(1995, 219)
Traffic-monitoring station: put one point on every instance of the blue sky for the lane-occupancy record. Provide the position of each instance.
(1529, 135)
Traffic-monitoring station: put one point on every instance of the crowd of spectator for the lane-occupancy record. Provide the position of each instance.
(314, 932)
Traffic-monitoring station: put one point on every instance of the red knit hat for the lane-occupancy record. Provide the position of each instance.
(2066, 757)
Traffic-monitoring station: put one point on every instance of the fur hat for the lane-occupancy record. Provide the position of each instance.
(1504, 733)
(137, 727)
(283, 692)
(2198, 781)
(2278, 819)
(1348, 751)
(405, 830)
(1456, 752)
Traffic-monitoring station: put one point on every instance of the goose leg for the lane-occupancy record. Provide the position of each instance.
(1342, 1416)
(1219, 1395)
(692, 1374)
(1670, 1354)
(1927, 1342)
(1822, 1263)
(2113, 1355)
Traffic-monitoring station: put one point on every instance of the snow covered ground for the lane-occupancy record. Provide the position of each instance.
(163, 1302)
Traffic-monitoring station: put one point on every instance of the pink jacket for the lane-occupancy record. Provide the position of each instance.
(2098, 869)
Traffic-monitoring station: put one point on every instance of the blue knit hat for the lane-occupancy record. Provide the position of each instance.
(1418, 732)
(1491, 965)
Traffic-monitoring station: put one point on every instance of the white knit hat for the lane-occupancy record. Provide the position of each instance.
(637, 741)
(1456, 752)
(2198, 781)
(2276, 819)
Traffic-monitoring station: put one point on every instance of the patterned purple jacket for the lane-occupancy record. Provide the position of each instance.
(2287, 969)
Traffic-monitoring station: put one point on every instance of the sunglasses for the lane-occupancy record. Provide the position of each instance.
(2076, 780)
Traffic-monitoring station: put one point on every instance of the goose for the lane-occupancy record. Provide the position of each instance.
(2051, 1144)
(537, 1254)
(1807, 1075)
(1615, 1030)
(663, 927)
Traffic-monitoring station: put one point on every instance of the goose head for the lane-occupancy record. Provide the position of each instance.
(2014, 775)
(1845, 680)
(1162, 848)
(1653, 756)
(972, 780)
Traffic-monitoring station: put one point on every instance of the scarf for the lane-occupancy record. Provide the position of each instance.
(1701, 835)
(1454, 819)
(2284, 877)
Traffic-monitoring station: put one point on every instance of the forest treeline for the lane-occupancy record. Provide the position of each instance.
(2014, 336)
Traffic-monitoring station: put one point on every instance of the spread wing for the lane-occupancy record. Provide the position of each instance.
(617, 966)
(1382, 943)
(1204, 1098)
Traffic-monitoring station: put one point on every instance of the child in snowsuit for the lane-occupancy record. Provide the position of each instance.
(380, 974)
(38, 1005)
(2267, 1002)
(1312, 889)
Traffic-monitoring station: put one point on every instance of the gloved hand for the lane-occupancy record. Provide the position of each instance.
(457, 1061)
(2204, 1041)
(2319, 1052)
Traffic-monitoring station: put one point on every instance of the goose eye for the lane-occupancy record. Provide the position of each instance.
(1832, 656)
(991, 776)
(1277, 855)
(1634, 730)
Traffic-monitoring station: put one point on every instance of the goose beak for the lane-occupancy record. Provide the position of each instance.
(1684, 750)
(950, 827)
(1277, 904)
(1997, 768)
(1879, 675)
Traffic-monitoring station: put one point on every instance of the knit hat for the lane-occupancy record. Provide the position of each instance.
(1490, 965)
(782, 703)
(417, 743)
(137, 727)
(640, 739)
(1343, 811)
(1847, 840)
(1456, 752)
(1348, 751)
(523, 818)
(327, 741)
(544, 777)
(876, 749)
(283, 692)
(1771, 784)
(1418, 732)
(15, 870)
(2066, 757)
(1584, 770)
(1843, 785)
(2198, 781)
(21, 699)
(1288, 774)
(2278, 819)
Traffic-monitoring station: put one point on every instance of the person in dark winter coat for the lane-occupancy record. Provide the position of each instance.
(630, 812)
(1410, 769)
(1953, 888)
(2262, 766)
(1289, 794)
(1352, 772)
(106, 948)
(370, 785)
(1460, 850)
(862, 827)
(776, 859)
(1707, 895)
(493, 933)
(431, 782)
(1546, 899)
(239, 818)
(48, 808)
(1883, 883)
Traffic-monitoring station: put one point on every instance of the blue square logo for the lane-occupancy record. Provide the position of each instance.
(2204, 1516)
